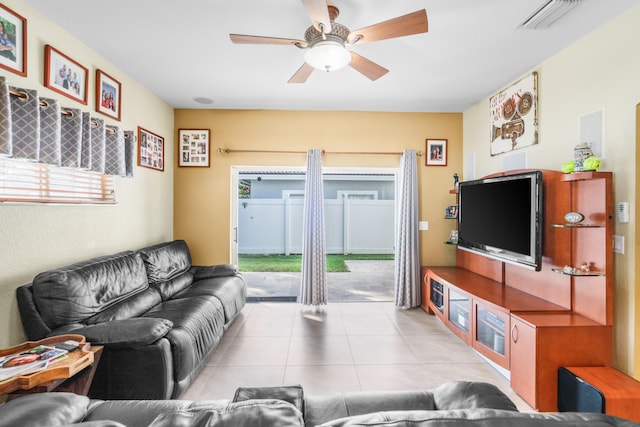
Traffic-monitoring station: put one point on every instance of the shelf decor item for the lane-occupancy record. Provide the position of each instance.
(581, 152)
(436, 152)
(573, 217)
(150, 150)
(451, 212)
(64, 75)
(194, 148)
(13, 41)
(108, 95)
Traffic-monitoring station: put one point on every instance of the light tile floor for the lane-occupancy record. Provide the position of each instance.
(343, 347)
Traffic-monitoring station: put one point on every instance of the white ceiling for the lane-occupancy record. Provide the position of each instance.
(180, 50)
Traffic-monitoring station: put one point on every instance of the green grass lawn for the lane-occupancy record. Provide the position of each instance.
(293, 263)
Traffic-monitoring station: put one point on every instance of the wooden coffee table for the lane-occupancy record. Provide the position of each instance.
(74, 373)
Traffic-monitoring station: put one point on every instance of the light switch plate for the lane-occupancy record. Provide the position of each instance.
(423, 225)
(618, 244)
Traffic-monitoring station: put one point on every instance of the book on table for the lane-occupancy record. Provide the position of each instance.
(35, 359)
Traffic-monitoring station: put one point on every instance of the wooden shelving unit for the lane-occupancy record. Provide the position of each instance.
(539, 312)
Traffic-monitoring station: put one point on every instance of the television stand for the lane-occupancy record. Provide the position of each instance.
(522, 319)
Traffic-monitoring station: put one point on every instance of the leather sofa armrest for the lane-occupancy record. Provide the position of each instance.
(211, 271)
(135, 332)
(52, 409)
(471, 395)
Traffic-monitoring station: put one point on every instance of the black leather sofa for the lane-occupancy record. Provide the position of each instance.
(158, 317)
(451, 404)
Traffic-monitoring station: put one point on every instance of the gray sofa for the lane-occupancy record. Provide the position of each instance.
(451, 404)
(158, 317)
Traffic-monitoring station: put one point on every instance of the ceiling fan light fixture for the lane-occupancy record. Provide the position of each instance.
(328, 55)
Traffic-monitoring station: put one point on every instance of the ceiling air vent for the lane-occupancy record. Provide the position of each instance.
(548, 13)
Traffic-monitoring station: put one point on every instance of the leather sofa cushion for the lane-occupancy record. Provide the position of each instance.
(126, 333)
(44, 409)
(476, 418)
(136, 412)
(471, 395)
(247, 413)
(74, 293)
(320, 409)
(211, 271)
(166, 265)
(198, 326)
(230, 290)
(128, 308)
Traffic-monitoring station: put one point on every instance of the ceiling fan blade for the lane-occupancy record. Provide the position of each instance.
(406, 25)
(246, 39)
(319, 14)
(302, 74)
(368, 68)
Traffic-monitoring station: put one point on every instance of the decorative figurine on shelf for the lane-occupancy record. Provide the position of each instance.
(456, 181)
(591, 163)
(581, 152)
(584, 267)
(453, 237)
(568, 166)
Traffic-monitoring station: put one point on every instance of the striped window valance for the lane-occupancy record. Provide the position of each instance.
(53, 154)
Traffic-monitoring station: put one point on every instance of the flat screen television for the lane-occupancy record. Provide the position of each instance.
(502, 218)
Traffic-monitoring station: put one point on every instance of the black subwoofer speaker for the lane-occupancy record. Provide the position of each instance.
(577, 395)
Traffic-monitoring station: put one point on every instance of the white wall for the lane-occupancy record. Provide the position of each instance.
(34, 238)
(601, 71)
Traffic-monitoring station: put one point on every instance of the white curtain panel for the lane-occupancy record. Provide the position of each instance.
(407, 256)
(314, 265)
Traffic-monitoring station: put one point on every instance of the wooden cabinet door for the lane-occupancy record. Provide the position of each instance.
(523, 360)
(491, 333)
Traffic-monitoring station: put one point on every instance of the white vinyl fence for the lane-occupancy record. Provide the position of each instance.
(274, 226)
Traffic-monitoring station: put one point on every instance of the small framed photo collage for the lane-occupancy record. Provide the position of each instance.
(151, 150)
(194, 148)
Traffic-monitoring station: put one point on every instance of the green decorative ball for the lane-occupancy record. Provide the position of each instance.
(591, 163)
(568, 166)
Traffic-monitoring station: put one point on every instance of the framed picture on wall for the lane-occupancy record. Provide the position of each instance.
(514, 116)
(150, 150)
(64, 75)
(108, 95)
(194, 148)
(436, 152)
(13, 41)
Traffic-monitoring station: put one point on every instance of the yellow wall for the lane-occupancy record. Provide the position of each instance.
(34, 238)
(599, 72)
(202, 196)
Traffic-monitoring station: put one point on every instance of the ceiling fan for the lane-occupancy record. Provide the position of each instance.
(325, 40)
